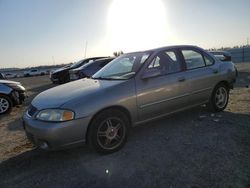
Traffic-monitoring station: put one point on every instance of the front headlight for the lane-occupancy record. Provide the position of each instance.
(17, 87)
(55, 115)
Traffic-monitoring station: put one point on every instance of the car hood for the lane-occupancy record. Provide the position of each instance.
(75, 70)
(9, 82)
(58, 96)
(60, 70)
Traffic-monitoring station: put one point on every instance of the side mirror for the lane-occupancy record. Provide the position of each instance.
(151, 73)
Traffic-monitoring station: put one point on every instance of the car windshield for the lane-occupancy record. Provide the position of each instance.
(123, 67)
(76, 64)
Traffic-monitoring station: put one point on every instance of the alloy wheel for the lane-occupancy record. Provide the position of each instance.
(221, 97)
(111, 133)
(4, 105)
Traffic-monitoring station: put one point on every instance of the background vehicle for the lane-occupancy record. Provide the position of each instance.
(132, 89)
(88, 69)
(11, 94)
(34, 72)
(10, 75)
(224, 56)
(2, 76)
(62, 75)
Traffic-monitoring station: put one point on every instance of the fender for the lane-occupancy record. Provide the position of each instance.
(5, 89)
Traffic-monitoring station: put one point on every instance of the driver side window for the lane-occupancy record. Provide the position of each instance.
(166, 61)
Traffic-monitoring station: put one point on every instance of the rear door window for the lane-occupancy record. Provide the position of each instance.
(193, 59)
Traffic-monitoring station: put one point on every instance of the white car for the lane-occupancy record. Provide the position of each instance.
(10, 75)
(34, 72)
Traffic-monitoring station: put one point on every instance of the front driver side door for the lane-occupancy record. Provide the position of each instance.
(163, 93)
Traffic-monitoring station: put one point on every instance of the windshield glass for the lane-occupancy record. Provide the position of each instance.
(76, 64)
(123, 67)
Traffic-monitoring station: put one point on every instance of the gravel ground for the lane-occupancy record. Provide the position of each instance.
(194, 148)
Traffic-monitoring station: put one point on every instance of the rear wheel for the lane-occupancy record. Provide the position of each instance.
(108, 131)
(5, 104)
(219, 99)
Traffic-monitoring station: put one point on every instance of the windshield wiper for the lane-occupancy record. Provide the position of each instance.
(102, 78)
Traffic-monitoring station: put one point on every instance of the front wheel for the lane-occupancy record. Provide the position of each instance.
(5, 104)
(108, 131)
(219, 99)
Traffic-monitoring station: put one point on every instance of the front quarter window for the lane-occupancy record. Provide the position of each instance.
(123, 67)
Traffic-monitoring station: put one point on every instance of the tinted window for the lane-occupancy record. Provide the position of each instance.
(166, 61)
(193, 59)
(103, 63)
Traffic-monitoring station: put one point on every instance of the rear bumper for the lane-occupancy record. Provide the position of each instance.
(53, 135)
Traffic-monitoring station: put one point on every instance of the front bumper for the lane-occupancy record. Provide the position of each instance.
(54, 135)
(74, 76)
(54, 78)
(18, 97)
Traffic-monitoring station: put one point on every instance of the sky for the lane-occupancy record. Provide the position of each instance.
(47, 32)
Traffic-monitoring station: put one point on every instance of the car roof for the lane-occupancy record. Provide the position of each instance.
(103, 59)
(95, 58)
(167, 47)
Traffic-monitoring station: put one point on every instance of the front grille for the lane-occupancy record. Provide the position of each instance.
(54, 76)
(32, 110)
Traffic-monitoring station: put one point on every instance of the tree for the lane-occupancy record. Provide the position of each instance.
(117, 53)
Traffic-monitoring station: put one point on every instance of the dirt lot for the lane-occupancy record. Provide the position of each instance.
(191, 149)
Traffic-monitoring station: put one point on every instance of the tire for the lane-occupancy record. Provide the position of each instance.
(108, 131)
(219, 99)
(61, 81)
(6, 104)
(64, 79)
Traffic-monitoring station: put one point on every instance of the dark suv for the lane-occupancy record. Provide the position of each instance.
(2, 76)
(62, 75)
(11, 94)
(89, 69)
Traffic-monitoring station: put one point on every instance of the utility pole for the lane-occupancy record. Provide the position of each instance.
(53, 59)
(85, 51)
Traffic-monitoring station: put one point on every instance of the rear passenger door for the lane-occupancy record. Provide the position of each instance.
(200, 74)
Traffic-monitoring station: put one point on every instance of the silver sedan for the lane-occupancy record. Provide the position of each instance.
(132, 89)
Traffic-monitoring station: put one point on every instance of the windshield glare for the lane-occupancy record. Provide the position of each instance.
(76, 64)
(123, 67)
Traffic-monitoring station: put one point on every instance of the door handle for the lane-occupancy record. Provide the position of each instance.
(181, 79)
(215, 71)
